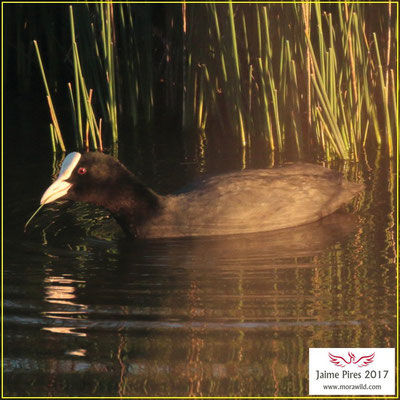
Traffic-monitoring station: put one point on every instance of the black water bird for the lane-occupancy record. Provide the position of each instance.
(238, 202)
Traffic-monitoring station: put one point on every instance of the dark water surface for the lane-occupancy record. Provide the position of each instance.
(90, 313)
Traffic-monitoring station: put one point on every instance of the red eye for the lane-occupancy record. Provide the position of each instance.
(82, 171)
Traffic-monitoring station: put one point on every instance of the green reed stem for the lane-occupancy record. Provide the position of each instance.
(78, 137)
(32, 216)
(49, 100)
(77, 110)
(53, 138)
(384, 91)
(394, 98)
(232, 69)
(88, 107)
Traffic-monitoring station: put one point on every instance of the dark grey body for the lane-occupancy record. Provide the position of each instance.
(252, 201)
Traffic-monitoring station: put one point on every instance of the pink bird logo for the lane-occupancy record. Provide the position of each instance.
(361, 362)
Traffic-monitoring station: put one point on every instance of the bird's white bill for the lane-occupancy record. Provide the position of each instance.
(60, 187)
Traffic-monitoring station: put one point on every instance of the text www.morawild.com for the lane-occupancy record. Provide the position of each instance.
(362, 386)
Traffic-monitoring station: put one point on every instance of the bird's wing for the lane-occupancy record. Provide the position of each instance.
(365, 360)
(337, 360)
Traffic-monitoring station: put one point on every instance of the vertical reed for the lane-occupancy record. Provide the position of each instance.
(57, 130)
(299, 76)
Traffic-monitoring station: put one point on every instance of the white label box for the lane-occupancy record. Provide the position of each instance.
(352, 371)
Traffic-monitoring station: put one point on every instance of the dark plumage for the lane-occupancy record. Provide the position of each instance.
(238, 202)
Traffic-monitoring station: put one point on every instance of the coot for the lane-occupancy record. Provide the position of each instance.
(237, 202)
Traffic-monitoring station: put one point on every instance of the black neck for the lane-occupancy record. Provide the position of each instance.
(132, 206)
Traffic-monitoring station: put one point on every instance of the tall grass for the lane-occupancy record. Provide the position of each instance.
(310, 77)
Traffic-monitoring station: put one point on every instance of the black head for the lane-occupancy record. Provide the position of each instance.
(100, 179)
(89, 177)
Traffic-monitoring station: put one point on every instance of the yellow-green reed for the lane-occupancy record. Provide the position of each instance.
(393, 98)
(32, 216)
(384, 91)
(225, 59)
(303, 76)
(269, 73)
(295, 105)
(320, 90)
(76, 110)
(237, 77)
(78, 131)
(91, 120)
(49, 100)
(53, 138)
(233, 38)
(200, 101)
(264, 98)
(129, 66)
(108, 35)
